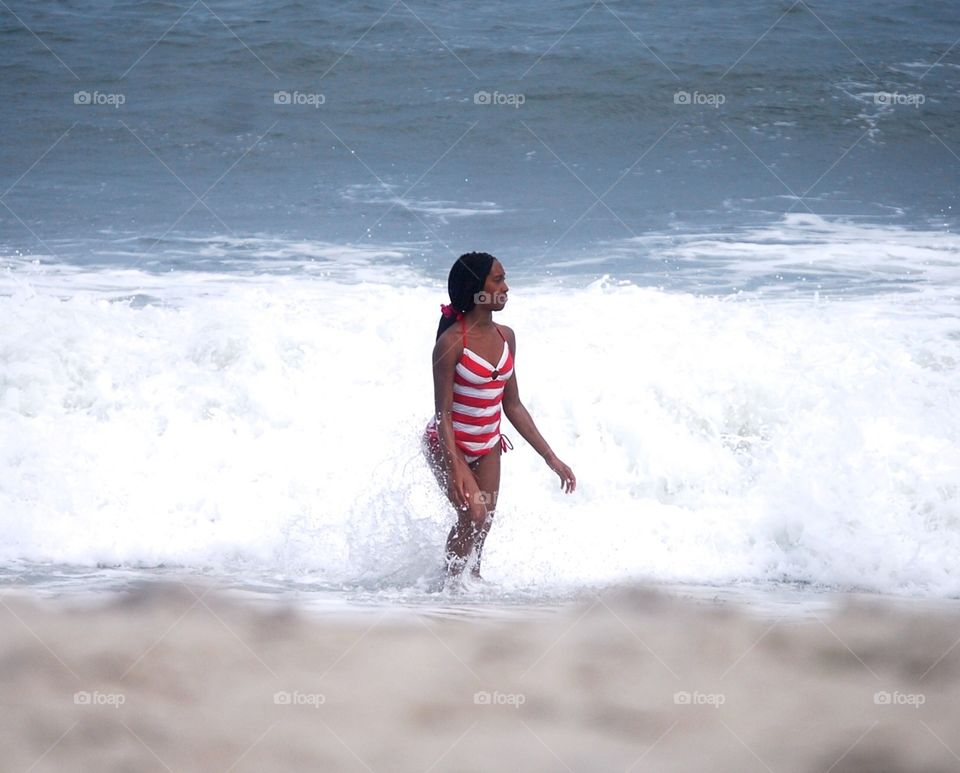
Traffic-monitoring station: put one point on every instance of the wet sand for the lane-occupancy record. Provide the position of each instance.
(178, 677)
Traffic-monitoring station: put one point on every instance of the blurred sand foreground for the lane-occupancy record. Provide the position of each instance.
(182, 679)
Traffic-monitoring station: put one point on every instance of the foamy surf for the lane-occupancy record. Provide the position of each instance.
(268, 421)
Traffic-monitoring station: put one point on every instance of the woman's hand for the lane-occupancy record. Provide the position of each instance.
(457, 488)
(568, 481)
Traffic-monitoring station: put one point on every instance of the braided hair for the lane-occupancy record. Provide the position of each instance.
(467, 278)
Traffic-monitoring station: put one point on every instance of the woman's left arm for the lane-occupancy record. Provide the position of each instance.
(520, 418)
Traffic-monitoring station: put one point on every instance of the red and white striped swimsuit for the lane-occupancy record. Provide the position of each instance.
(477, 394)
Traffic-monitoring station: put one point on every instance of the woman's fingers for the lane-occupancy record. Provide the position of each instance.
(460, 493)
(455, 494)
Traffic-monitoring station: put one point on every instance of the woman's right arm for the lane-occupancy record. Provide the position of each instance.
(446, 355)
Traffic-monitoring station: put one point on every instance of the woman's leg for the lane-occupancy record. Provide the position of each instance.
(431, 450)
(467, 535)
(462, 536)
(486, 470)
(471, 522)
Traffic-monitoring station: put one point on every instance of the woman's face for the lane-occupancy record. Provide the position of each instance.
(495, 288)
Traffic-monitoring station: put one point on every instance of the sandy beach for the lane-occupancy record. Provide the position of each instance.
(177, 677)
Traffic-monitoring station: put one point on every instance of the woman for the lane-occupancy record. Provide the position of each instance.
(471, 383)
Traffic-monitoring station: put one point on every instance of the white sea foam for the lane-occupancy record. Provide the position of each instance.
(805, 253)
(273, 421)
(440, 209)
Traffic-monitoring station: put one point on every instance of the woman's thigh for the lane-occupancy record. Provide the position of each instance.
(483, 486)
(434, 455)
(486, 470)
(431, 450)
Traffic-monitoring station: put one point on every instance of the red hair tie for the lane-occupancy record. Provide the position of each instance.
(448, 311)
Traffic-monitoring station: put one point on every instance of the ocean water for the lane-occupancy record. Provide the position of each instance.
(731, 241)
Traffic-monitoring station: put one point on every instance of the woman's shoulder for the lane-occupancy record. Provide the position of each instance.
(450, 340)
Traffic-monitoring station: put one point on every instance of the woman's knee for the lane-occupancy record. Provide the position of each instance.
(477, 515)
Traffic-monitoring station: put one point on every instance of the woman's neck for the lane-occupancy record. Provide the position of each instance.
(479, 318)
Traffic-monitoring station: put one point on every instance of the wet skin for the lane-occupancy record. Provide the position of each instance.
(473, 488)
